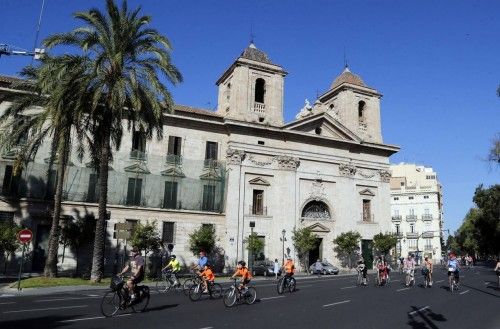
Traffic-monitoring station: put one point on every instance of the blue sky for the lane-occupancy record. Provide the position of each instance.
(437, 63)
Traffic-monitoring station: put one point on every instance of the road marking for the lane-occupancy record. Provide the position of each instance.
(309, 285)
(7, 303)
(206, 328)
(94, 318)
(402, 289)
(417, 311)
(348, 287)
(46, 309)
(93, 296)
(486, 283)
(395, 280)
(265, 298)
(7, 295)
(439, 281)
(464, 292)
(59, 299)
(342, 302)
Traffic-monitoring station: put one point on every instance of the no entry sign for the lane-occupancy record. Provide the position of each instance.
(24, 236)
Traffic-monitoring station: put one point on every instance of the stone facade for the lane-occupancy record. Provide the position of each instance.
(417, 210)
(240, 169)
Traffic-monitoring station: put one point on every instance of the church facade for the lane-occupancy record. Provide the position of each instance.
(241, 169)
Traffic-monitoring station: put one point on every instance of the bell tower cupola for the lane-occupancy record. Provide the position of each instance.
(251, 89)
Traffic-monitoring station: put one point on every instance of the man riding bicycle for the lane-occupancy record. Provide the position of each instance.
(136, 266)
(289, 268)
(175, 268)
(427, 270)
(409, 268)
(453, 267)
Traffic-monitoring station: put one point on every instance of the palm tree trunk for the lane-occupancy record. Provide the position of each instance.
(50, 269)
(100, 234)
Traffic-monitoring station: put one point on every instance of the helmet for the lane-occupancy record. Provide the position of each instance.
(242, 263)
(172, 256)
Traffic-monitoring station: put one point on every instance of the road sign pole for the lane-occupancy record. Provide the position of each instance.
(21, 268)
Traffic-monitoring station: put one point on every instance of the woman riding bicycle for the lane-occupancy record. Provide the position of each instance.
(427, 270)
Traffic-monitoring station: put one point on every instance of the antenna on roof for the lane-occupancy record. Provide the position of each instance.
(38, 29)
(346, 63)
(252, 36)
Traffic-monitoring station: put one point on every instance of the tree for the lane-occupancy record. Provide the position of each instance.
(202, 239)
(147, 238)
(467, 236)
(346, 245)
(8, 241)
(494, 154)
(58, 103)
(487, 222)
(254, 245)
(383, 243)
(127, 59)
(304, 241)
(76, 234)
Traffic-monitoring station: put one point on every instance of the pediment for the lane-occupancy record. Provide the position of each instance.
(367, 192)
(259, 181)
(318, 228)
(173, 172)
(211, 175)
(56, 161)
(328, 126)
(137, 168)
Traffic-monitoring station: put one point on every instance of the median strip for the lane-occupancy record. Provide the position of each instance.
(337, 303)
(46, 309)
(403, 289)
(59, 299)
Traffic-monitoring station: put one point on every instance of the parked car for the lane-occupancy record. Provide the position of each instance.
(264, 267)
(327, 269)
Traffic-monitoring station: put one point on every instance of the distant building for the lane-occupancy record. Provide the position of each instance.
(240, 169)
(417, 210)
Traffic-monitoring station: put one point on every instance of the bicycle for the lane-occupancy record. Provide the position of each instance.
(452, 281)
(410, 277)
(164, 283)
(118, 298)
(214, 290)
(427, 278)
(381, 282)
(359, 278)
(286, 282)
(234, 294)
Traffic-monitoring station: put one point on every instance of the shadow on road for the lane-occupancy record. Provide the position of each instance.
(481, 290)
(160, 308)
(53, 321)
(424, 319)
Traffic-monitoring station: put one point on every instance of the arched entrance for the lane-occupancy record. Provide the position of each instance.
(316, 210)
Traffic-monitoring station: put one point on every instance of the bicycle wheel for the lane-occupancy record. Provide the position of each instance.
(215, 291)
(195, 292)
(229, 298)
(292, 285)
(250, 296)
(110, 303)
(281, 285)
(143, 300)
(187, 285)
(162, 285)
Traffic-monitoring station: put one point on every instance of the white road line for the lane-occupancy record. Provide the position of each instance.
(395, 280)
(7, 295)
(46, 309)
(59, 299)
(206, 328)
(348, 287)
(419, 310)
(439, 281)
(265, 298)
(94, 318)
(402, 289)
(486, 283)
(309, 285)
(93, 296)
(7, 303)
(342, 302)
(464, 292)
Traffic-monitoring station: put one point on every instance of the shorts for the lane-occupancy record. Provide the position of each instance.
(457, 275)
(246, 281)
(289, 274)
(137, 279)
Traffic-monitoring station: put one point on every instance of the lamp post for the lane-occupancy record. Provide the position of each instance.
(283, 239)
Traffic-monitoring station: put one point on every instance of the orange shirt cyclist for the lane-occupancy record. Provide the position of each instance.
(243, 271)
(207, 275)
(289, 267)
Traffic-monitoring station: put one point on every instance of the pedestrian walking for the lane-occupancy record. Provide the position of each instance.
(318, 267)
(276, 268)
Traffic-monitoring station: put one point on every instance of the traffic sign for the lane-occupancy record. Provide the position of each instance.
(25, 236)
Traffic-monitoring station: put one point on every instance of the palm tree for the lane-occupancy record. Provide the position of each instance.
(127, 60)
(50, 89)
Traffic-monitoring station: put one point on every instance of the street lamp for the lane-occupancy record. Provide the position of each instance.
(283, 239)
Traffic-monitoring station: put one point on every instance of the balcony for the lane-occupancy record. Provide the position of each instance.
(396, 218)
(173, 159)
(257, 211)
(427, 216)
(259, 108)
(428, 248)
(171, 204)
(211, 163)
(367, 218)
(411, 218)
(137, 155)
(428, 235)
(412, 234)
(398, 235)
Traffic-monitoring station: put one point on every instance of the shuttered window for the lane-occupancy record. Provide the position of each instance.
(134, 191)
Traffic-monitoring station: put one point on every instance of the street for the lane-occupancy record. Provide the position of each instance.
(326, 302)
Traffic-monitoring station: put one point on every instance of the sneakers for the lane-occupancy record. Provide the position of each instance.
(132, 297)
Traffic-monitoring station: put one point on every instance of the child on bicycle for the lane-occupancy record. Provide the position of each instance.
(242, 271)
(208, 276)
(382, 270)
(289, 268)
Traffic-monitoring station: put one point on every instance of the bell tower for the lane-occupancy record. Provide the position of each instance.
(251, 89)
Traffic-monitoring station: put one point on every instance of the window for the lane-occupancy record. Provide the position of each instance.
(412, 244)
(426, 197)
(410, 198)
(396, 199)
(168, 232)
(174, 145)
(402, 183)
(361, 111)
(10, 182)
(138, 141)
(134, 192)
(396, 212)
(332, 106)
(260, 142)
(426, 211)
(412, 211)
(93, 188)
(397, 229)
(366, 210)
(208, 198)
(211, 151)
(412, 228)
(260, 90)
(258, 202)
(430, 177)
(428, 226)
(170, 195)
(428, 244)
(261, 119)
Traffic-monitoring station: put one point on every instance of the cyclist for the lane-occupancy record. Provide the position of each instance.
(202, 261)
(497, 271)
(175, 266)
(136, 266)
(289, 268)
(409, 268)
(363, 269)
(427, 270)
(207, 276)
(242, 271)
(382, 270)
(453, 267)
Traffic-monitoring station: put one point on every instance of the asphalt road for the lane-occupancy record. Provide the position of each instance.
(327, 302)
